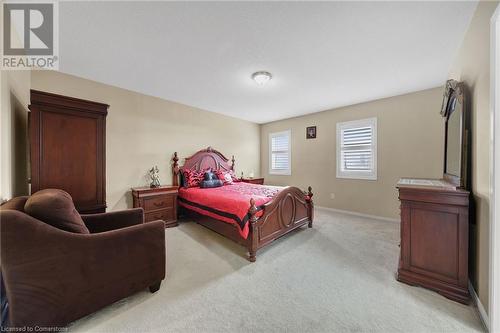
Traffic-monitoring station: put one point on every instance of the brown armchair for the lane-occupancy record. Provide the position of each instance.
(53, 276)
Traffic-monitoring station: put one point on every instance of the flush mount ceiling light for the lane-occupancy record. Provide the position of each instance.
(262, 77)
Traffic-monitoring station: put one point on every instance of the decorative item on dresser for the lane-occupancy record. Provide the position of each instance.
(68, 148)
(435, 213)
(290, 208)
(259, 181)
(155, 177)
(159, 203)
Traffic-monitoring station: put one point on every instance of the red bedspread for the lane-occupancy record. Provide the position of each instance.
(228, 203)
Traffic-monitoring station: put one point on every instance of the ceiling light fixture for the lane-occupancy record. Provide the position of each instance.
(262, 77)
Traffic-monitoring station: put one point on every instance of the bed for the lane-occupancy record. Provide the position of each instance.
(249, 214)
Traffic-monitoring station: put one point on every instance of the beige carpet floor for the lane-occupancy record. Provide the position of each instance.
(337, 277)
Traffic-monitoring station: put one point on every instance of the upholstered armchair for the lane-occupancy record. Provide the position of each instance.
(58, 266)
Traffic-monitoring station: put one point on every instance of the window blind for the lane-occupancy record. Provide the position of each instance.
(280, 152)
(356, 149)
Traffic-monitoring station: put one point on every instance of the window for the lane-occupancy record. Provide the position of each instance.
(357, 149)
(279, 153)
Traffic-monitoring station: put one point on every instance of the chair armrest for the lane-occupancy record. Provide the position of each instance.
(53, 277)
(113, 220)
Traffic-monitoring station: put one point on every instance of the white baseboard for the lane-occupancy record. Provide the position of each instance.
(480, 308)
(358, 214)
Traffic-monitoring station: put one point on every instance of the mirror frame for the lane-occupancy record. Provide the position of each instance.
(448, 90)
(456, 91)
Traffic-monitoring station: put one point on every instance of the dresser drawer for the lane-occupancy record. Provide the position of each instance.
(159, 202)
(164, 214)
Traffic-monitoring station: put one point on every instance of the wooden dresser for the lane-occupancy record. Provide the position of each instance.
(259, 181)
(435, 213)
(68, 148)
(159, 203)
(435, 238)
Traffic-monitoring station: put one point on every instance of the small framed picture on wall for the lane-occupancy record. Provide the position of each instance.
(311, 132)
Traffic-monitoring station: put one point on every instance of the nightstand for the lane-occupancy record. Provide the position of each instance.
(159, 203)
(259, 181)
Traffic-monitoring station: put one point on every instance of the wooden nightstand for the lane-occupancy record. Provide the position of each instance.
(259, 181)
(159, 203)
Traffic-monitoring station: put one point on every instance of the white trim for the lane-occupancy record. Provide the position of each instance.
(287, 172)
(494, 278)
(366, 175)
(350, 212)
(479, 307)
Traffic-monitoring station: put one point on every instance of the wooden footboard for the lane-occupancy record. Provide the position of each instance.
(289, 210)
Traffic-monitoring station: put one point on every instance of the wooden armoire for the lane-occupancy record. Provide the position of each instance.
(68, 148)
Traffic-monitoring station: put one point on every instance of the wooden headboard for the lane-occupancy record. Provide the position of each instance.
(203, 159)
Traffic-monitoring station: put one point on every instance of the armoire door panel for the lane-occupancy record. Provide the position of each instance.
(64, 135)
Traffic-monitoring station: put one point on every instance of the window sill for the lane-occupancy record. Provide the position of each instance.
(276, 173)
(359, 177)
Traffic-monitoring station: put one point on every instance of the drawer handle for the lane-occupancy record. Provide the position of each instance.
(159, 204)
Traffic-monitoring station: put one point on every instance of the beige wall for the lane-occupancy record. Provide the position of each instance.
(143, 131)
(472, 65)
(410, 144)
(13, 133)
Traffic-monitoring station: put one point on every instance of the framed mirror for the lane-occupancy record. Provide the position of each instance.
(457, 138)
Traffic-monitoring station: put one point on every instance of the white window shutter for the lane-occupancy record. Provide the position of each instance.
(279, 153)
(357, 149)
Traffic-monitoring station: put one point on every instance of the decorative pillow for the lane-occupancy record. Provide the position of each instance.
(219, 174)
(211, 183)
(190, 178)
(210, 175)
(55, 207)
(224, 176)
(234, 177)
(227, 178)
(193, 178)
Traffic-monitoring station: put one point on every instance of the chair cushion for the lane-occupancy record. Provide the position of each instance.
(16, 203)
(55, 207)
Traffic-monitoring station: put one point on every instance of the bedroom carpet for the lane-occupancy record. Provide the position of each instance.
(336, 277)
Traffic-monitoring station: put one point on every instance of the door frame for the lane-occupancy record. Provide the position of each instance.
(494, 280)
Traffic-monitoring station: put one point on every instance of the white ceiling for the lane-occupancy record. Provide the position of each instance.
(322, 55)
